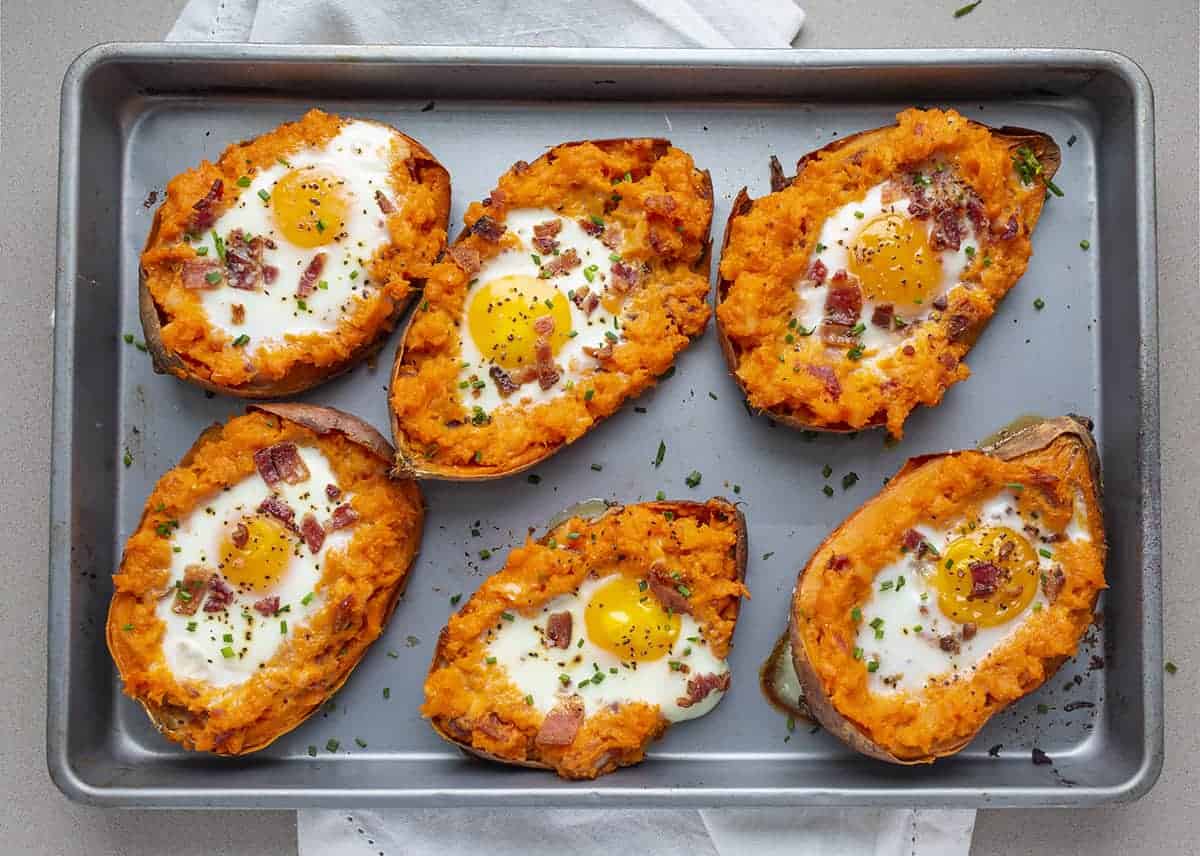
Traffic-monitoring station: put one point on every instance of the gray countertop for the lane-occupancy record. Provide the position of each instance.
(38, 40)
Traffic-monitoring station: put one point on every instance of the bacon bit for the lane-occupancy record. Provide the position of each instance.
(548, 373)
(280, 510)
(969, 629)
(270, 273)
(985, 579)
(590, 226)
(890, 193)
(1005, 549)
(838, 562)
(204, 212)
(957, 327)
(520, 167)
(385, 204)
(558, 629)
(313, 533)
(908, 350)
(195, 274)
(281, 462)
(237, 313)
(562, 723)
(604, 352)
(466, 258)
(659, 203)
(268, 606)
(948, 361)
(240, 536)
(343, 516)
(308, 279)
(1053, 582)
(947, 230)
(244, 260)
(699, 687)
(332, 492)
(1047, 483)
(543, 236)
(612, 236)
(976, 214)
(950, 644)
(914, 542)
(343, 616)
(487, 228)
(543, 325)
(219, 594)
(494, 727)
(829, 377)
(585, 300)
(940, 302)
(505, 384)
(191, 590)
(883, 314)
(1010, 229)
(843, 301)
(560, 265)
(665, 588)
(817, 273)
(837, 335)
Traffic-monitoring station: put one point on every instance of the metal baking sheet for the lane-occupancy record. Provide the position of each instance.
(135, 115)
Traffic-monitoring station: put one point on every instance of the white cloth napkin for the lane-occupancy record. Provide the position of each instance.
(446, 832)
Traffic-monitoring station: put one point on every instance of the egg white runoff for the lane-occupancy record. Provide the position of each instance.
(512, 290)
(226, 647)
(903, 622)
(883, 242)
(548, 674)
(321, 200)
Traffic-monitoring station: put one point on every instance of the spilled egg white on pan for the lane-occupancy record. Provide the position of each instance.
(957, 593)
(549, 293)
(297, 242)
(245, 567)
(903, 261)
(620, 645)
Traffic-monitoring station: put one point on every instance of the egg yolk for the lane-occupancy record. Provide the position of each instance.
(987, 577)
(261, 561)
(892, 259)
(503, 314)
(626, 620)
(310, 207)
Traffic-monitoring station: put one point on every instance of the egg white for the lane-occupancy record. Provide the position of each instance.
(916, 655)
(361, 155)
(535, 668)
(196, 654)
(590, 331)
(838, 233)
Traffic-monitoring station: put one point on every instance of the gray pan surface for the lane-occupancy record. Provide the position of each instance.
(135, 115)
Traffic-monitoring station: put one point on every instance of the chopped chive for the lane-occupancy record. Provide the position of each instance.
(387, 692)
(307, 599)
(312, 751)
(660, 496)
(485, 555)
(228, 637)
(191, 626)
(244, 181)
(533, 478)
(491, 661)
(858, 653)
(283, 627)
(849, 480)
(202, 251)
(507, 616)
(966, 10)
(1170, 667)
(227, 652)
(597, 467)
(331, 745)
(529, 700)
(587, 396)
(127, 628)
(362, 744)
(827, 490)
(128, 337)
(1085, 244)
(219, 244)
(856, 615)
(302, 305)
(826, 471)
(693, 478)
(263, 195)
(241, 341)
(873, 666)
(662, 451)
(455, 598)
(1042, 551)
(1039, 304)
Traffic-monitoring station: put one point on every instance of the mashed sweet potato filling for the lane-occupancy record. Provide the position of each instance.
(954, 487)
(416, 228)
(770, 247)
(663, 206)
(317, 658)
(463, 692)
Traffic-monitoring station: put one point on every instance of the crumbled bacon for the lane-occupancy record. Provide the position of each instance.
(985, 579)
(843, 300)
(957, 327)
(590, 226)
(505, 384)
(561, 264)
(940, 302)
(190, 590)
(332, 492)
(237, 313)
(466, 258)
(385, 204)
(625, 278)
(558, 629)
(268, 606)
(278, 509)
(950, 644)
(829, 377)
(244, 259)
(666, 589)
(586, 300)
(312, 532)
(817, 273)
(562, 723)
(220, 595)
(699, 687)
(947, 232)
(543, 236)
(969, 629)
(312, 273)
(976, 214)
(913, 542)
(659, 203)
(604, 352)
(204, 211)
(883, 314)
(1005, 549)
(344, 614)
(908, 350)
(1011, 227)
(240, 536)
(195, 273)
(1047, 483)
(487, 228)
(838, 335)
(548, 373)
(948, 361)
(1052, 583)
(281, 462)
(270, 273)
(343, 516)
(612, 236)
(838, 562)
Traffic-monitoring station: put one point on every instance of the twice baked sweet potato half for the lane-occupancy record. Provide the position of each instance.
(852, 293)
(573, 287)
(263, 567)
(594, 639)
(290, 259)
(959, 589)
